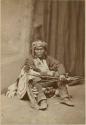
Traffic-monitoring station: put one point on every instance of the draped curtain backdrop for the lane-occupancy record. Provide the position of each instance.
(62, 25)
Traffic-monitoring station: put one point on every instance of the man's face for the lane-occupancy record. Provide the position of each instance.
(39, 52)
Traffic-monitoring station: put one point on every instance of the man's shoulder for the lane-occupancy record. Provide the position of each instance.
(52, 59)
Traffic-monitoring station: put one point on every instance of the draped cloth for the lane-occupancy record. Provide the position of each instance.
(62, 25)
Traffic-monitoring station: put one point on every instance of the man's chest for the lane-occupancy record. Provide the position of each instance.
(41, 64)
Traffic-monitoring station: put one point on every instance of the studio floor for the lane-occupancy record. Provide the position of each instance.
(16, 112)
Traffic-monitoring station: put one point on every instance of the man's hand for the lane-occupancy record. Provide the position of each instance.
(62, 77)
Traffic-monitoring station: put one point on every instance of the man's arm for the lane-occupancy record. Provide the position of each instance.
(29, 64)
(55, 65)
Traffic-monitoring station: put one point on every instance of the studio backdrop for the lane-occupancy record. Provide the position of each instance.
(62, 25)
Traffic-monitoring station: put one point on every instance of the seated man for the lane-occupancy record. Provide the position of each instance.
(42, 71)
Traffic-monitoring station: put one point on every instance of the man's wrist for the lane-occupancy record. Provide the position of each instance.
(62, 75)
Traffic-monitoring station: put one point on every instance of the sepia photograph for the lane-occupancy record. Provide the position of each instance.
(42, 62)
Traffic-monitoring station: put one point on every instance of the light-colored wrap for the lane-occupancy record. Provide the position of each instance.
(19, 88)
